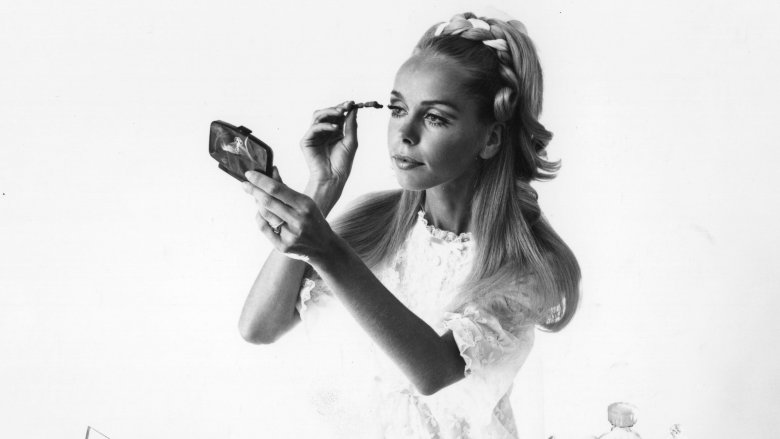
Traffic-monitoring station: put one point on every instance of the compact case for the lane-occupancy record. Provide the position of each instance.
(238, 151)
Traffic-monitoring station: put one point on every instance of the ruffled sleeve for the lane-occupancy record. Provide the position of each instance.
(312, 290)
(494, 342)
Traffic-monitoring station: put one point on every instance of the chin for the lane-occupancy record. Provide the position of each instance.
(410, 184)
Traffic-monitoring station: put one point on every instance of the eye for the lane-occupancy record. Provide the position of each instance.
(431, 119)
(436, 120)
(395, 111)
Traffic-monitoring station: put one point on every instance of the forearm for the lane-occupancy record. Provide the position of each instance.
(430, 361)
(269, 309)
(325, 195)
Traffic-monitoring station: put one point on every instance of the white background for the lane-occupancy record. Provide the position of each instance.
(125, 254)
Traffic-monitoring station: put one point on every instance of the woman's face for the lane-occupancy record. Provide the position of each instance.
(434, 135)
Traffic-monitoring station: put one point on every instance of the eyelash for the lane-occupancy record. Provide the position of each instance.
(433, 119)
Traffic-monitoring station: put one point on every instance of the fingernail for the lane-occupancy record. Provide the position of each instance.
(245, 185)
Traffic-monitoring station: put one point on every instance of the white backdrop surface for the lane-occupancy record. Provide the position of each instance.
(125, 255)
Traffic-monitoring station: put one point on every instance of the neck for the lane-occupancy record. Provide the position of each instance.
(448, 206)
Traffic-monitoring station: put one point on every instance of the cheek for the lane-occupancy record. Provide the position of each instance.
(389, 133)
(453, 147)
(462, 163)
(457, 155)
(392, 133)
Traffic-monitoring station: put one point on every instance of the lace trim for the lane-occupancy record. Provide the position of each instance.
(469, 337)
(443, 234)
(307, 285)
(466, 329)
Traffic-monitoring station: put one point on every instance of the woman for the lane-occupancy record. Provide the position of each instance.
(426, 298)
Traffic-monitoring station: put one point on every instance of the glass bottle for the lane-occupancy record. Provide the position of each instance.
(622, 416)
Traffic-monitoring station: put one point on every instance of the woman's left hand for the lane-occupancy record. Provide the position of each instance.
(305, 234)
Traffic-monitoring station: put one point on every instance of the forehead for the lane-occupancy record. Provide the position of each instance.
(426, 77)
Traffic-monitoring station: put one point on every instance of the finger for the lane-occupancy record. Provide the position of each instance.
(268, 232)
(268, 219)
(346, 106)
(280, 240)
(350, 127)
(318, 128)
(271, 205)
(290, 200)
(265, 214)
(327, 113)
(332, 113)
(275, 174)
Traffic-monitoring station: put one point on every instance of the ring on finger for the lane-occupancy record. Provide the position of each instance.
(278, 229)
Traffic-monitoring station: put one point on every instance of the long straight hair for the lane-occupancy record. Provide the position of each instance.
(515, 244)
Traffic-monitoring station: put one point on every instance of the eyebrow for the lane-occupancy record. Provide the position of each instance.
(430, 102)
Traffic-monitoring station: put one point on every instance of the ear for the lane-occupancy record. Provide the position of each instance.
(495, 135)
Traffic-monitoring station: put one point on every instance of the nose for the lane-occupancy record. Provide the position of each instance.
(407, 131)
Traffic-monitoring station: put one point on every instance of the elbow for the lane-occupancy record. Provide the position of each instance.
(428, 390)
(445, 375)
(256, 335)
(257, 338)
(430, 386)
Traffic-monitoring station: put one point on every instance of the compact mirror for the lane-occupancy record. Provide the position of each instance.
(238, 151)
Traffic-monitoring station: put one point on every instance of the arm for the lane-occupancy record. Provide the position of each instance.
(430, 361)
(269, 310)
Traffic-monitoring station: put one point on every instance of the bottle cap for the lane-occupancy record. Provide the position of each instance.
(621, 414)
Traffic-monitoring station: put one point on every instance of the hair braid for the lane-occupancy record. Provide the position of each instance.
(506, 98)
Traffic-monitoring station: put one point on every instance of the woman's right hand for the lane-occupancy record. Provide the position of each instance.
(330, 143)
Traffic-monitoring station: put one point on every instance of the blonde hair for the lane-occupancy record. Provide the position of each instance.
(515, 244)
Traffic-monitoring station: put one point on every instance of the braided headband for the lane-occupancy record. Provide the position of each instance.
(498, 43)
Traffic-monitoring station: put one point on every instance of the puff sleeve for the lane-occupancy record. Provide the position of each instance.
(494, 337)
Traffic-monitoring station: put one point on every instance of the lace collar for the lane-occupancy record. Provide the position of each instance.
(444, 235)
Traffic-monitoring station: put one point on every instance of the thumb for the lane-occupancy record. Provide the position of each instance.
(350, 128)
(275, 174)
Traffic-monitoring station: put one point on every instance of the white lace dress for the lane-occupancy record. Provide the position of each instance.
(360, 391)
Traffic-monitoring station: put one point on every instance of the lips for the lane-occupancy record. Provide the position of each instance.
(406, 159)
(404, 163)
